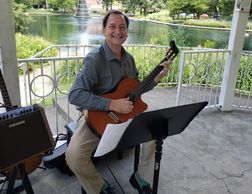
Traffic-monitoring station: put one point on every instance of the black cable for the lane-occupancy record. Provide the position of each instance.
(111, 172)
(8, 107)
(4, 106)
(61, 136)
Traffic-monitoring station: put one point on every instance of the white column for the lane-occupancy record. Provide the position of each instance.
(8, 51)
(235, 45)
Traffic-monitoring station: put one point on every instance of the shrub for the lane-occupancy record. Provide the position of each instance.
(208, 23)
(28, 45)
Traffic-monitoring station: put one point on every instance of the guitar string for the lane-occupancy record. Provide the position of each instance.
(144, 84)
(147, 80)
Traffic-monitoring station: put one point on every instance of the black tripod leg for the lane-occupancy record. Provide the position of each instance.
(25, 179)
(11, 181)
(83, 191)
(137, 155)
(158, 156)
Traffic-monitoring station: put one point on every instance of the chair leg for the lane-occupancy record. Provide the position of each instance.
(83, 191)
(119, 154)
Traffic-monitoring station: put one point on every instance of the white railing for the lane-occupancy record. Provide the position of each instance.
(243, 89)
(201, 75)
(146, 57)
(47, 80)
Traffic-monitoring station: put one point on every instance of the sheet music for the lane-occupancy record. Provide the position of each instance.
(111, 138)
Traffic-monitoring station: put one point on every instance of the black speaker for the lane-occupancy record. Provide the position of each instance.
(24, 133)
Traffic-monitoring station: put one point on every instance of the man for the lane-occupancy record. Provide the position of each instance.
(104, 68)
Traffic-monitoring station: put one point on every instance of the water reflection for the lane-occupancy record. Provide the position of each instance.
(71, 30)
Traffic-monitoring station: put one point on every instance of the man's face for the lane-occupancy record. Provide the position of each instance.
(116, 31)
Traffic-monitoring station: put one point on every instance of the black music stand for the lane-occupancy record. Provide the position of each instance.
(157, 125)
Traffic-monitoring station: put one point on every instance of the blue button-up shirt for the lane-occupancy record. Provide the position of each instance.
(101, 74)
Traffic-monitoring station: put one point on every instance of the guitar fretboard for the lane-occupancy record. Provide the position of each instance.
(143, 85)
(4, 92)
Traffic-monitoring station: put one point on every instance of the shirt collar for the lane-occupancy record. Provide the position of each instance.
(109, 56)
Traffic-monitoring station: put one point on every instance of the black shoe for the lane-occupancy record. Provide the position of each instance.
(106, 189)
(141, 185)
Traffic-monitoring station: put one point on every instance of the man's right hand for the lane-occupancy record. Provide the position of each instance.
(121, 105)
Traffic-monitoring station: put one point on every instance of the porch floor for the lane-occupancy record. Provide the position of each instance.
(212, 156)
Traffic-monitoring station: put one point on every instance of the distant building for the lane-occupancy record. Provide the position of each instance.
(204, 16)
(94, 5)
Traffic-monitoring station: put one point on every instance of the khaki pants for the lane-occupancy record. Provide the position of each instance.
(78, 158)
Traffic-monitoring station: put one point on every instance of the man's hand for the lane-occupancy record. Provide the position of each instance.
(166, 68)
(122, 105)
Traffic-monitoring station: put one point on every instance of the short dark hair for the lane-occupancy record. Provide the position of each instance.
(113, 11)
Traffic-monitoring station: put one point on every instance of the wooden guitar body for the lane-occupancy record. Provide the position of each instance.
(98, 120)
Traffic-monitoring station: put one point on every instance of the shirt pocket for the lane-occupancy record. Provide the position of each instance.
(105, 81)
(104, 76)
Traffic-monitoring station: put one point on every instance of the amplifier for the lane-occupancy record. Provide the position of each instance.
(24, 133)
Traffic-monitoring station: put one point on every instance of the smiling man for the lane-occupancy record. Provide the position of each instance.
(104, 68)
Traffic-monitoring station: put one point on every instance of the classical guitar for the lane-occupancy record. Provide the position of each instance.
(30, 164)
(132, 88)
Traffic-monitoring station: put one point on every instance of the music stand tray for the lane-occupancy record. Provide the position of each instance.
(158, 125)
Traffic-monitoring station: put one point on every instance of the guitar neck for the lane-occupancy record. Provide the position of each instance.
(143, 85)
(4, 92)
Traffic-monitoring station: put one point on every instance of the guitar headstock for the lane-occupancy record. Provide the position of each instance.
(172, 52)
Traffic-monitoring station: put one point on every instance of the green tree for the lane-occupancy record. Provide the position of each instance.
(227, 7)
(25, 2)
(20, 17)
(214, 7)
(221, 8)
(107, 4)
(130, 6)
(31, 3)
(66, 5)
(176, 8)
(144, 7)
(196, 7)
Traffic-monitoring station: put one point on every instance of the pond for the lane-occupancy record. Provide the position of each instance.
(72, 30)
